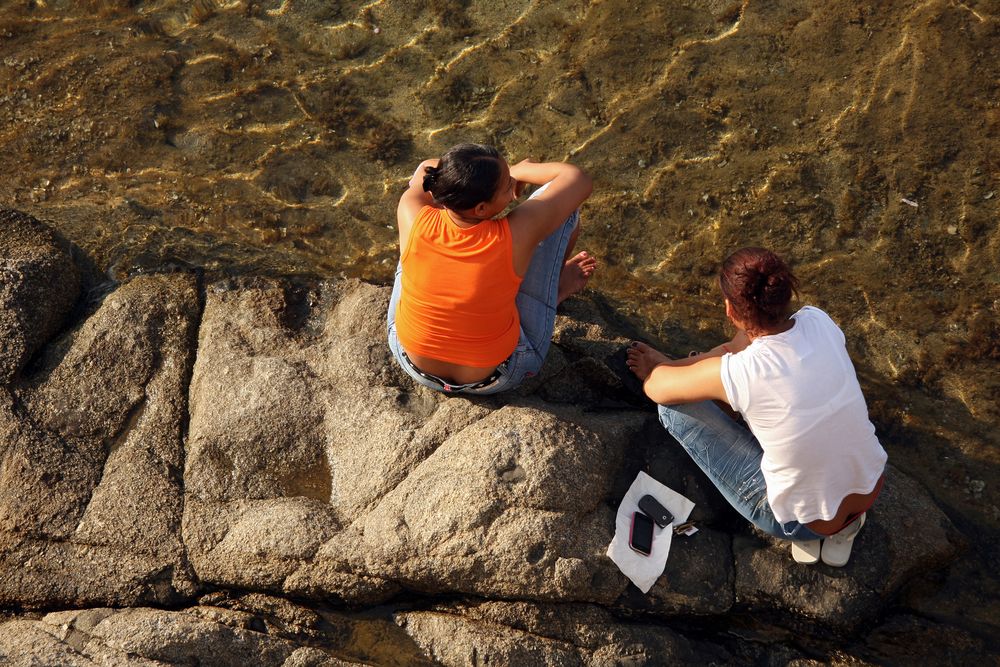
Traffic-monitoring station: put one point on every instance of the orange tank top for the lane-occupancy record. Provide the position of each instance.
(458, 289)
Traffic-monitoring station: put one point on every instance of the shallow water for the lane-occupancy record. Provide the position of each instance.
(275, 136)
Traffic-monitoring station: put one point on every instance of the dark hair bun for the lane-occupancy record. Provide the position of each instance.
(430, 177)
(465, 176)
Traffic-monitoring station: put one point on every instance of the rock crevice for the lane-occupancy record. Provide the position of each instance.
(247, 436)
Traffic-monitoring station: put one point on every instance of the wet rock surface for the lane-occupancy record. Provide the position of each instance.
(253, 437)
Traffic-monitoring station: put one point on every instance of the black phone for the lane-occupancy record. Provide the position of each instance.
(640, 537)
(657, 512)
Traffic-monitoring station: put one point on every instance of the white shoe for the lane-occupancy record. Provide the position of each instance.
(837, 548)
(806, 552)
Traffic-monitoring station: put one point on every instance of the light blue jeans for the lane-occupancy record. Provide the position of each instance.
(536, 302)
(730, 455)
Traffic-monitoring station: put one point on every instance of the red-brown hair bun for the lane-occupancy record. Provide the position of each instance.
(759, 287)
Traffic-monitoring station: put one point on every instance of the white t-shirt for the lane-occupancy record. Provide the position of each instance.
(798, 392)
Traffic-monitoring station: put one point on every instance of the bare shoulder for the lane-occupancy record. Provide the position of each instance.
(412, 201)
(407, 213)
(409, 207)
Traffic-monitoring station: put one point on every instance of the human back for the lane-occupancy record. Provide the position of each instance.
(458, 287)
(799, 394)
(788, 383)
(466, 273)
(809, 466)
(796, 387)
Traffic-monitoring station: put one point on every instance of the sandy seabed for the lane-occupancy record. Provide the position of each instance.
(860, 142)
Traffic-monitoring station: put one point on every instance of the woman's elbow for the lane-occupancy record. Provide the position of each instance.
(582, 179)
(658, 392)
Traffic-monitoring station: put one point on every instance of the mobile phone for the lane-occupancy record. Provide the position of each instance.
(640, 537)
(657, 512)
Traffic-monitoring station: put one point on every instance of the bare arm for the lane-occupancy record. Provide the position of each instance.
(538, 217)
(739, 342)
(667, 381)
(679, 382)
(414, 198)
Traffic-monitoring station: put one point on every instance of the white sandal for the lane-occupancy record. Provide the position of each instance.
(837, 548)
(806, 552)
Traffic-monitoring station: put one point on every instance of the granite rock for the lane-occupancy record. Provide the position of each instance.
(143, 636)
(540, 634)
(91, 452)
(397, 487)
(39, 283)
(259, 438)
(904, 536)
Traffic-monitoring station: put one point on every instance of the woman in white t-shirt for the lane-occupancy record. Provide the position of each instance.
(809, 466)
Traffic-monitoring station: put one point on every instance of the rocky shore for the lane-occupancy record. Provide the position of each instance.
(234, 472)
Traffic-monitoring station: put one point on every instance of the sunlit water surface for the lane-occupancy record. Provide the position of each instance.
(859, 142)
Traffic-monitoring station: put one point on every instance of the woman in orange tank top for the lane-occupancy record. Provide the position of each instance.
(474, 300)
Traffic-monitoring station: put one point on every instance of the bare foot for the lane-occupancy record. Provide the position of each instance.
(642, 359)
(575, 274)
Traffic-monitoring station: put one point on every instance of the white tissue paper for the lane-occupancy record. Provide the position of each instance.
(643, 571)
